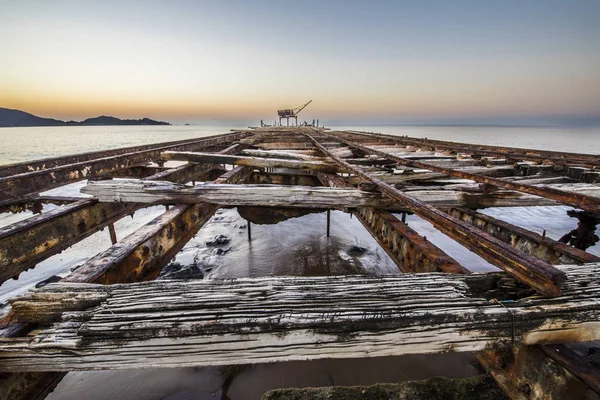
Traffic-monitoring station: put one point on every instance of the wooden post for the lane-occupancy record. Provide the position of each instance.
(113, 234)
(249, 230)
(403, 217)
(328, 221)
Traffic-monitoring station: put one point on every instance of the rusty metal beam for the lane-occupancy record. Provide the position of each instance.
(529, 242)
(557, 157)
(46, 163)
(585, 202)
(28, 242)
(526, 373)
(22, 184)
(410, 251)
(536, 273)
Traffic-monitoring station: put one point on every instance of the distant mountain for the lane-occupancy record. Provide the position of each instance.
(20, 118)
(14, 118)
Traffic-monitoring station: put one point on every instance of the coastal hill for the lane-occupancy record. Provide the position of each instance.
(16, 118)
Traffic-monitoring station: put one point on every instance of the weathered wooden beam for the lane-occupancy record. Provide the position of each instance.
(249, 161)
(36, 181)
(530, 270)
(141, 255)
(532, 243)
(233, 195)
(248, 321)
(409, 250)
(279, 154)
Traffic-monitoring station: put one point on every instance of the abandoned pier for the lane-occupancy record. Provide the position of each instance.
(527, 323)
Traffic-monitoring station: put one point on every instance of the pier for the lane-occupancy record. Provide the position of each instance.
(526, 323)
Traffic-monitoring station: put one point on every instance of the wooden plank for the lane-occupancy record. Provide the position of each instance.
(248, 321)
(233, 195)
(249, 161)
(279, 154)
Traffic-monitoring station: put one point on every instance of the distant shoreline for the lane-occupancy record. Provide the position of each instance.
(20, 119)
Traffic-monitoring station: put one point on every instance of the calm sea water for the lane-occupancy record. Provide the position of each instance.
(22, 144)
(297, 246)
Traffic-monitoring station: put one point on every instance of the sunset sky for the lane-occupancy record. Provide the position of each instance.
(188, 61)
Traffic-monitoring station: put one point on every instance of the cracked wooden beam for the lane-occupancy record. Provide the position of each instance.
(249, 161)
(257, 320)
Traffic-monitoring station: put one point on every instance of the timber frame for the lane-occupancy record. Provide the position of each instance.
(519, 321)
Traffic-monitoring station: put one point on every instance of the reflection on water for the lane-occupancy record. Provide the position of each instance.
(251, 382)
(297, 246)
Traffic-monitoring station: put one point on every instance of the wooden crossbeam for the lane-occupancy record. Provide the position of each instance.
(247, 321)
(257, 162)
(233, 195)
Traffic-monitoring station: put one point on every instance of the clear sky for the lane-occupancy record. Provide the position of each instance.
(185, 61)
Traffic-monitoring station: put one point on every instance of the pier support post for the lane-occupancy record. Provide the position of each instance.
(249, 230)
(328, 221)
(112, 233)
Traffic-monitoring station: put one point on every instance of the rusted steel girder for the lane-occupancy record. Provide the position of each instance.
(589, 203)
(409, 251)
(529, 242)
(526, 373)
(536, 273)
(141, 255)
(28, 242)
(557, 157)
(15, 186)
(46, 163)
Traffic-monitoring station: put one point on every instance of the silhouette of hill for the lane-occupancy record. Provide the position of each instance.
(16, 118)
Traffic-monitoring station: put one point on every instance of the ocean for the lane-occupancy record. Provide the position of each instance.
(297, 246)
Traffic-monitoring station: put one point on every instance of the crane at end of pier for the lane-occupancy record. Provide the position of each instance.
(291, 113)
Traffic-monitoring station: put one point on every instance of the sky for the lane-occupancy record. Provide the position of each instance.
(190, 61)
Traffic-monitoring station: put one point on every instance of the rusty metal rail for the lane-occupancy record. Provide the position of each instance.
(590, 160)
(585, 202)
(22, 184)
(537, 273)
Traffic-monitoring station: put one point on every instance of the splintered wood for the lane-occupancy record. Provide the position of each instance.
(185, 323)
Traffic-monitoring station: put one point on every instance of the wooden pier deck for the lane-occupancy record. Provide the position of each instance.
(111, 314)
